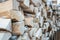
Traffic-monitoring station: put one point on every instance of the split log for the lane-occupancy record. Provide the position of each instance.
(6, 5)
(5, 24)
(36, 3)
(32, 32)
(38, 34)
(28, 11)
(15, 5)
(41, 21)
(24, 37)
(5, 15)
(29, 8)
(5, 35)
(25, 4)
(18, 15)
(18, 28)
(29, 21)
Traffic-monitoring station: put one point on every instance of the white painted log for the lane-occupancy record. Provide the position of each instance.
(31, 7)
(38, 15)
(18, 15)
(15, 5)
(5, 24)
(27, 2)
(58, 23)
(36, 2)
(18, 28)
(38, 34)
(36, 25)
(2, 1)
(5, 35)
(45, 13)
(33, 38)
(29, 21)
(41, 21)
(49, 2)
(54, 19)
(25, 37)
(54, 6)
(19, 38)
(35, 10)
(32, 32)
(46, 25)
(5, 6)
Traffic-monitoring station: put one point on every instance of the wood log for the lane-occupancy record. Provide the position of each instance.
(18, 28)
(5, 6)
(32, 32)
(24, 4)
(5, 14)
(15, 5)
(18, 15)
(38, 34)
(29, 21)
(27, 8)
(5, 24)
(5, 35)
(24, 37)
(36, 3)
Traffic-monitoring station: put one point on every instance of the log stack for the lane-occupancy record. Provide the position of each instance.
(30, 19)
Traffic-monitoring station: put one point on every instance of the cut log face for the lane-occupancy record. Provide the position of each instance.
(27, 2)
(31, 7)
(54, 7)
(6, 5)
(36, 2)
(2, 1)
(32, 32)
(5, 15)
(18, 15)
(18, 28)
(41, 21)
(15, 5)
(46, 24)
(38, 34)
(58, 23)
(5, 35)
(24, 37)
(29, 21)
(5, 24)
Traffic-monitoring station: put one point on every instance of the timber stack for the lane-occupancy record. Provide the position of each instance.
(29, 19)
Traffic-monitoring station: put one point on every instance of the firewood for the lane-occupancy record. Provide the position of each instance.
(5, 35)
(5, 24)
(29, 21)
(6, 5)
(18, 28)
(18, 15)
(5, 14)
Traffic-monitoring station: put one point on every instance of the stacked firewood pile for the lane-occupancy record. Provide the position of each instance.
(31, 19)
